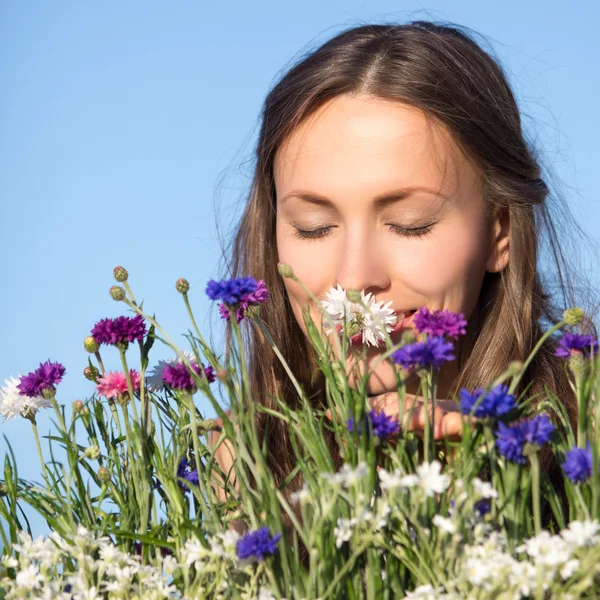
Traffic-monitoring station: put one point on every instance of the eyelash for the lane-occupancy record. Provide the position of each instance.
(312, 234)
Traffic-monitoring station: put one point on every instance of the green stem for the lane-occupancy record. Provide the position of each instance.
(129, 384)
(39, 448)
(535, 491)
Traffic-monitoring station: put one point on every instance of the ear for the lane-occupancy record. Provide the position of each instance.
(499, 242)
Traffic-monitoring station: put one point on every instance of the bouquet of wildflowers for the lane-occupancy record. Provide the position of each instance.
(130, 491)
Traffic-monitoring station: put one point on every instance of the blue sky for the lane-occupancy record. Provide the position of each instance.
(127, 138)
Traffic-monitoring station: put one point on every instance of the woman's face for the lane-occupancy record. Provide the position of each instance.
(371, 196)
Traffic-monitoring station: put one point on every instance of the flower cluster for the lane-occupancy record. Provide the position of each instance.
(239, 293)
(440, 322)
(119, 331)
(177, 376)
(432, 352)
(14, 404)
(367, 320)
(257, 544)
(381, 424)
(113, 384)
(42, 380)
(511, 439)
(576, 343)
(492, 404)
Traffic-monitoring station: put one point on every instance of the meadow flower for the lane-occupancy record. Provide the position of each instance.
(119, 331)
(581, 533)
(433, 352)
(431, 479)
(343, 531)
(381, 424)
(154, 380)
(346, 476)
(14, 404)
(440, 322)
(573, 343)
(185, 471)
(483, 506)
(511, 440)
(396, 480)
(546, 549)
(444, 524)
(372, 320)
(177, 376)
(250, 299)
(257, 544)
(42, 380)
(301, 495)
(483, 489)
(231, 291)
(578, 464)
(495, 403)
(113, 384)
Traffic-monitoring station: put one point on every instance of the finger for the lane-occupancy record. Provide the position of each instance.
(452, 425)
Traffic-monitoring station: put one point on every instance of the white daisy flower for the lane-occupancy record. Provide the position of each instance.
(346, 476)
(445, 525)
(581, 533)
(484, 489)
(13, 404)
(431, 479)
(153, 378)
(370, 319)
(343, 531)
(396, 480)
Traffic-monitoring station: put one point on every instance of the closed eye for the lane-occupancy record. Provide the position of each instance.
(321, 232)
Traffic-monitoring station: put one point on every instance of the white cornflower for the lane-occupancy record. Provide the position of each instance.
(445, 525)
(546, 549)
(569, 568)
(346, 476)
(370, 319)
(396, 480)
(154, 380)
(301, 495)
(13, 404)
(484, 489)
(431, 479)
(581, 533)
(343, 531)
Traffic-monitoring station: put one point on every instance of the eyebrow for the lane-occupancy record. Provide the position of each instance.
(380, 201)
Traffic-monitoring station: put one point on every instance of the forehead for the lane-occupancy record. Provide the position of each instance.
(352, 145)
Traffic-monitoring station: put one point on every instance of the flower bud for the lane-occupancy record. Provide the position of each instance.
(117, 293)
(223, 375)
(515, 367)
(3, 489)
(103, 474)
(90, 344)
(285, 270)
(206, 425)
(120, 274)
(91, 373)
(49, 392)
(182, 285)
(353, 295)
(77, 406)
(92, 452)
(573, 316)
(576, 363)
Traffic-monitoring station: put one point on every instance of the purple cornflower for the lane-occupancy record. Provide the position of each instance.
(255, 298)
(578, 464)
(510, 440)
(185, 471)
(440, 322)
(256, 544)
(433, 352)
(177, 376)
(382, 425)
(231, 291)
(494, 404)
(120, 330)
(45, 377)
(576, 343)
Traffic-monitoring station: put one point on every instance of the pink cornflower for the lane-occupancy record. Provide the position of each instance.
(114, 383)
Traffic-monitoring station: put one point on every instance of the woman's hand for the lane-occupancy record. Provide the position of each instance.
(447, 418)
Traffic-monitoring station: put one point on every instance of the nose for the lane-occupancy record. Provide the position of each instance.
(362, 264)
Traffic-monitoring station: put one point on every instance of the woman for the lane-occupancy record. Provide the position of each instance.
(392, 159)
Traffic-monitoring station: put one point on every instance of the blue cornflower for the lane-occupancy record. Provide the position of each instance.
(433, 352)
(496, 402)
(576, 343)
(381, 424)
(231, 291)
(185, 471)
(440, 322)
(483, 506)
(578, 464)
(510, 440)
(256, 544)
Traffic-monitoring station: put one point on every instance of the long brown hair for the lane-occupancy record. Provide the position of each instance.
(441, 70)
